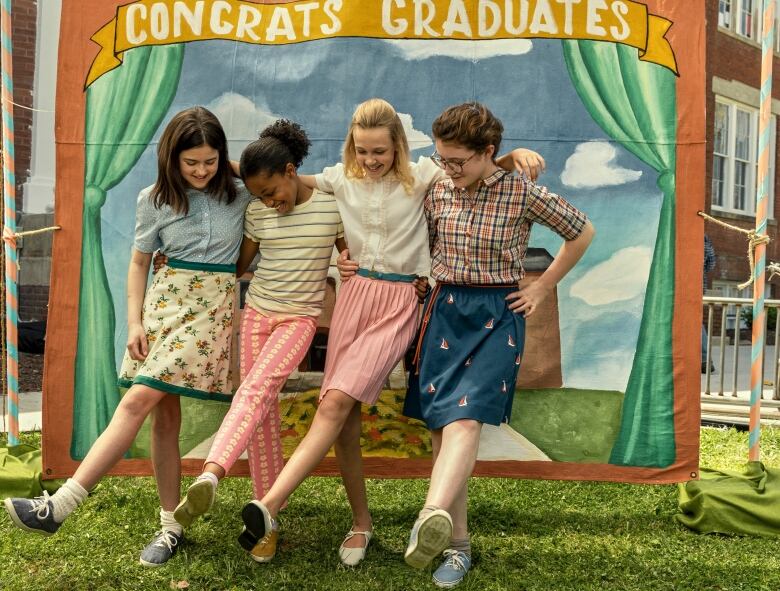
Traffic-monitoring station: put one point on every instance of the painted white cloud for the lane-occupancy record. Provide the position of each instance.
(420, 49)
(592, 165)
(417, 139)
(241, 119)
(622, 277)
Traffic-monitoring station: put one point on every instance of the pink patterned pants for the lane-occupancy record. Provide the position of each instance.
(271, 348)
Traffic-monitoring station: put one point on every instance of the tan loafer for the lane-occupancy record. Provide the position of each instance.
(354, 556)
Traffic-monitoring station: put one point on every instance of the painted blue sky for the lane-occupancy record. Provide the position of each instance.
(525, 84)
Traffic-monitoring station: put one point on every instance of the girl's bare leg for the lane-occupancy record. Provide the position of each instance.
(112, 444)
(350, 459)
(325, 428)
(166, 457)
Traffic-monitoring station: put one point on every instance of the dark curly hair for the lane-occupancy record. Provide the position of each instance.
(281, 143)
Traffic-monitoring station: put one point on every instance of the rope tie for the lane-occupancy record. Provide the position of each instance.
(10, 237)
(754, 239)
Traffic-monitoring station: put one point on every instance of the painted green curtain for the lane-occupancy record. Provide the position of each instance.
(124, 109)
(634, 102)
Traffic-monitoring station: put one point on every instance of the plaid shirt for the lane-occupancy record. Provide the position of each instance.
(483, 239)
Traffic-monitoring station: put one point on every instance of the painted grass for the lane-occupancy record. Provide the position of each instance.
(526, 535)
(567, 424)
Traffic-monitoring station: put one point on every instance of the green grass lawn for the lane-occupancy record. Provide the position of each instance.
(525, 535)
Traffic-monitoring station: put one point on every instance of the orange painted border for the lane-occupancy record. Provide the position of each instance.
(81, 18)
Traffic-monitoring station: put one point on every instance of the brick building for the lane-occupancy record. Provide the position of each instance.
(25, 18)
(733, 73)
(35, 27)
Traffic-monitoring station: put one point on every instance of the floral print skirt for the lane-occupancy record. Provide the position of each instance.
(188, 318)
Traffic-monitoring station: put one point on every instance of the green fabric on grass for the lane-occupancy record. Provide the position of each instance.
(20, 472)
(732, 502)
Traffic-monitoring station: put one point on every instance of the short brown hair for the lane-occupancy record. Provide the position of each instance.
(191, 128)
(471, 125)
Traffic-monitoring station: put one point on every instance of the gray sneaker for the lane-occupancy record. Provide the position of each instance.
(452, 570)
(161, 549)
(35, 515)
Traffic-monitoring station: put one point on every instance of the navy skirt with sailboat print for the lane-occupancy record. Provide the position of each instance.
(470, 352)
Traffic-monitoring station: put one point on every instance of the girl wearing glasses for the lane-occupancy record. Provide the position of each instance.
(380, 198)
(471, 341)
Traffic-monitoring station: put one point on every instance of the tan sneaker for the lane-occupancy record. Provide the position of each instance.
(265, 549)
(429, 538)
(198, 500)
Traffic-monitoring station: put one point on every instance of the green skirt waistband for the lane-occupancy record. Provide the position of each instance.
(193, 266)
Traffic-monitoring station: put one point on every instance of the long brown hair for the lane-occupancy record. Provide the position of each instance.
(191, 128)
(372, 114)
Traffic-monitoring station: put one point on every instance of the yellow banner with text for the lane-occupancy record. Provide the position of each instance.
(163, 22)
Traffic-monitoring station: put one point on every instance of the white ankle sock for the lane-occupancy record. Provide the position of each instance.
(210, 477)
(69, 496)
(168, 523)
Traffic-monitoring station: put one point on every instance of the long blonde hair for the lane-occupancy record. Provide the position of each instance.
(372, 114)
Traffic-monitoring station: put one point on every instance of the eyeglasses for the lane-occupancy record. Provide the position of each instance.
(454, 164)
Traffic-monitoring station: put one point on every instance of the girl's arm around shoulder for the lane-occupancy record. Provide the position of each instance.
(527, 299)
(328, 181)
(246, 255)
(137, 274)
(309, 180)
(524, 161)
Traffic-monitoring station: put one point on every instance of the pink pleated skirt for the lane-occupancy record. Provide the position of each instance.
(374, 322)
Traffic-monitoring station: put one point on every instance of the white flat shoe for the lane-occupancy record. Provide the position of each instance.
(354, 556)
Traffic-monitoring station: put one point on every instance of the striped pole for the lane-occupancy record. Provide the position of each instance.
(764, 131)
(9, 221)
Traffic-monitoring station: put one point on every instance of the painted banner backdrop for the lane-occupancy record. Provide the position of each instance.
(611, 92)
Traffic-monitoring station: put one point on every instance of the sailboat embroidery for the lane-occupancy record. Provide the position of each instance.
(450, 300)
(444, 344)
(468, 361)
(463, 401)
(431, 389)
(489, 324)
(511, 341)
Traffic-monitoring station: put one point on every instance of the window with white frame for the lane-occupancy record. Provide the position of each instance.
(724, 14)
(746, 18)
(742, 17)
(735, 158)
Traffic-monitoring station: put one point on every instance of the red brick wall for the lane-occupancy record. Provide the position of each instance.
(730, 58)
(24, 14)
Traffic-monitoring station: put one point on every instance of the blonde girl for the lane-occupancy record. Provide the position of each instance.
(380, 196)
